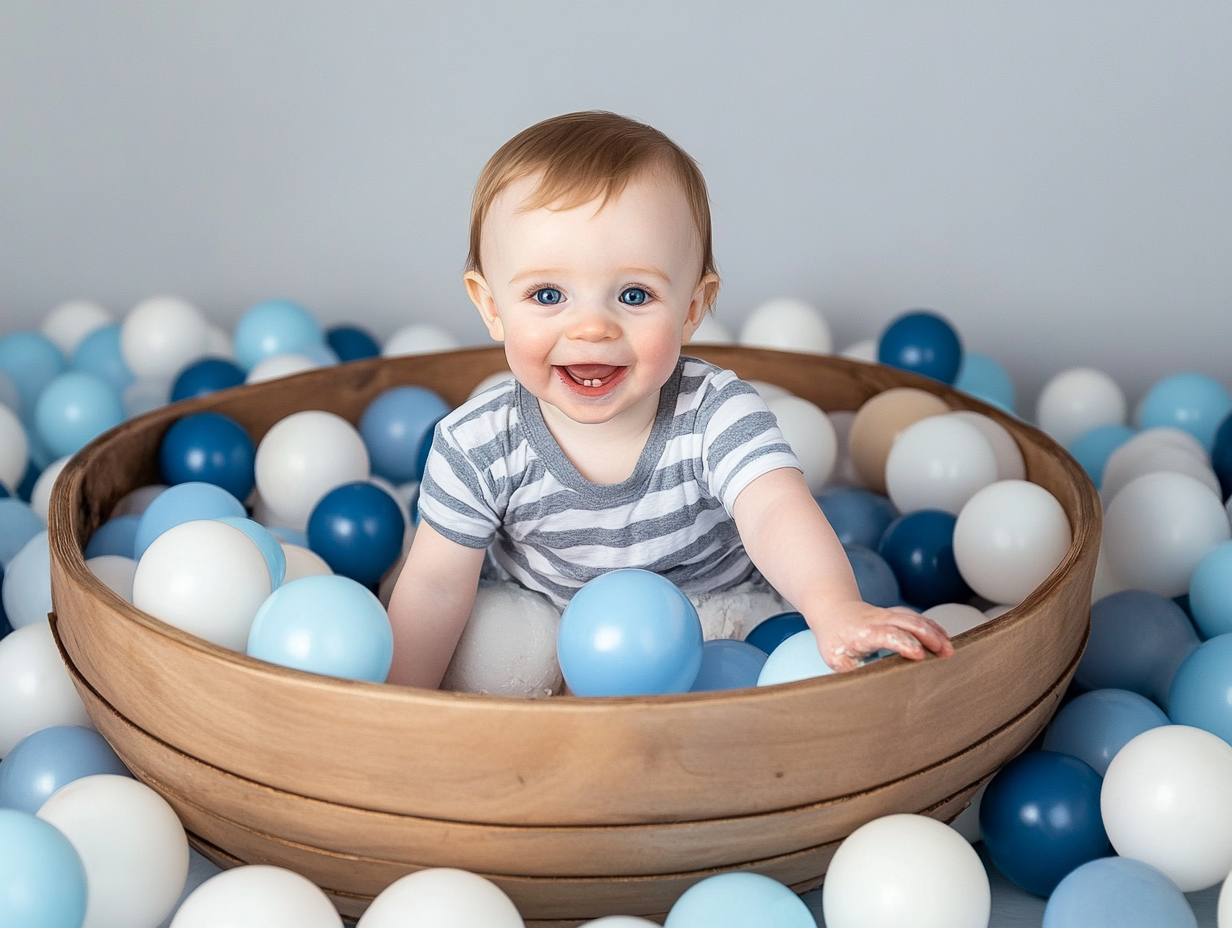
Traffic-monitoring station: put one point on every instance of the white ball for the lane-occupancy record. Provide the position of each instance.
(27, 584)
(490, 381)
(1130, 461)
(864, 350)
(14, 449)
(1106, 582)
(134, 502)
(956, 618)
(218, 343)
(440, 897)
(206, 578)
(161, 336)
(1010, 464)
(142, 396)
(1167, 801)
(1078, 400)
(508, 647)
(938, 463)
(132, 846)
(995, 612)
(1008, 538)
(711, 332)
(70, 322)
(35, 688)
(116, 572)
(418, 339)
(906, 871)
(789, 325)
(257, 897)
(40, 495)
(768, 391)
(279, 365)
(1160, 435)
(1224, 914)
(624, 921)
(811, 436)
(303, 563)
(302, 458)
(1159, 527)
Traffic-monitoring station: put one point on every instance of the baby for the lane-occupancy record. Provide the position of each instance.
(590, 259)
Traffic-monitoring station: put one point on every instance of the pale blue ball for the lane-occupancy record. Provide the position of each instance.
(739, 900)
(27, 583)
(74, 409)
(275, 327)
(1201, 693)
(1193, 402)
(1117, 892)
(42, 880)
(31, 360)
(797, 658)
(99, 353)
(1094, 726)
(115, 536)
(184, 502)
(1094, 447)
(42, 762)
(18, 524)
(985, 379)
(271, 550)
(1210, 592)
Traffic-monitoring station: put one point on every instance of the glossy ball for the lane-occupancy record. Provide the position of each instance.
(31, 361)
(1076, 401)
(797, 658)
(280, 365)
(985, 379)
(874, 576)
(1221, 456)
(100, 354)
(629, 633)
(1193, 402)
(161, 336)
(357, 528)
(441, 896)
(116, 572)
(772, 632)
(14, 449)
(879, 422)
(919, 547)
(42, 880)
(735, 900)
(257, 897)
(397, 430)
(508, 647)
(269, 545)
(787, 324)
(858, 516)
(956, 618)
(1094, 726)
(185, 502)
(35, 689)
(209, 448)
(74, 409)
(1200, 690)
(40, 493)
(924, 343)
(18, 524)
(939, 463)
(1116, 892)
(47, 759)
(811, 436)
(351, 343)
(1210, 592)
(418, 339)
(1140, 456)
(274, 327)
(27, 584)
(209, 375)
(1010, 462)
(1094, 447)
(728, 665)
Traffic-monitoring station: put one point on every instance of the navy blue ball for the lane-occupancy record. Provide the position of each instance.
(874, 577)
(1221, 456)
(26, 487)
(858, 516)
(115, 536)
(209, 375)
(4, 491)
(357, 529)
(772, 632)
(922, 342)
(1040, 819)
(5, 627)
(919, 547)
(351, 343)
(209, 448)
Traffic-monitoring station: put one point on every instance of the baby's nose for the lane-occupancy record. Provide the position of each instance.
(593, 323)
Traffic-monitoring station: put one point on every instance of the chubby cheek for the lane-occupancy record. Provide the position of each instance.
(527, 356)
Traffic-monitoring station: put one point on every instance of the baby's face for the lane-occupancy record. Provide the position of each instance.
(593, 304)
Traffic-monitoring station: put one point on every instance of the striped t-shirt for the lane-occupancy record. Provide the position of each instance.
(497, 479)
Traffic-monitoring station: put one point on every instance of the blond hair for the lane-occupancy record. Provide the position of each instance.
(583, 155)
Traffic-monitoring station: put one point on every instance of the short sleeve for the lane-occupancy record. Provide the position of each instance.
(454, 498)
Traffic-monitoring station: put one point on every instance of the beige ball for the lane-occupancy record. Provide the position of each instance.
(508, 647)
(878, 424)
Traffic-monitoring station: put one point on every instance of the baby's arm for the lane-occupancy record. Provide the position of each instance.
(789, 540)
(430, 605)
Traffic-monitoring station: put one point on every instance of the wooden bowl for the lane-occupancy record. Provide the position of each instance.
(577, 807)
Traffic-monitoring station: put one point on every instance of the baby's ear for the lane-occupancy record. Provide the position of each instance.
(477, 289)
(704, 295)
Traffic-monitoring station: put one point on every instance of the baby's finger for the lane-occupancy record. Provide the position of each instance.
(897, 640)
(926, 631)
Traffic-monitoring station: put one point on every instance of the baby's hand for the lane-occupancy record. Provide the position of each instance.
(848, 633)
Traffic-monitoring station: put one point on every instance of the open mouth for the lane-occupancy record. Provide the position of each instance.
(592, 378)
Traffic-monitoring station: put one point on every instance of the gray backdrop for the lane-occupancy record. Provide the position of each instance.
(1056, 177)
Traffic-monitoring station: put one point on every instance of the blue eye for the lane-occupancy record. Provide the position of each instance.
(634, 296)
(548, 296)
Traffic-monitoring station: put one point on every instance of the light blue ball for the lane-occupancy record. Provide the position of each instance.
(320, 354)
(629, 633)
(74, 409)
(18, 524)
(27, 583)
(728, 665)
(275, 327)
(1201, 693)
(739, 900)
(987, 380)
(397, 430)
(184, 502)
(1193, 402)
(797, 658)
(329, 625)
(291, 536)
(115, 536)
(31, 361)
(42, 880)
(1117, 892)
(1210, 592)
(1093, 448)
(40, 763)
(271, 550)
(1095, 725)
(99, 353)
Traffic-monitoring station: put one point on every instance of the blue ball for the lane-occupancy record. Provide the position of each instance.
(1093, 448)
(33, 471)
(1221, 456)
(1138, 640)
(99, 353)
(42, 880)
(209, 375)
(397, 429)
(351, 343)
(728, 665)
(797, 658)
(31, 361)
(209, 448)
(1201, 693)
(874, 576)
(115, 536)
(319, 354)
(186, 502)
(290, 536)
(357, 529)
(5, 627)
(4, 491)
(858, 516)
(271, 550)
(919, 547)
(922, 342)
(1210, 592)
(324, 624)
(1192, 402)
(18, 524)
(1040, 819)
(985, 379)
(772, 632)
(629, 633)
(41, 763)
(739, 900)
(1094, 726)
(1118, 892)
(74, 409)
(274, 327)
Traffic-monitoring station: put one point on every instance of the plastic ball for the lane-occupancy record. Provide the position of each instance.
(858, 516)
(184, 502)
(32, 471)
(131, 844)
(303, 457)
(711, 332)
(70, 322)
(772, 632)
(811, 436)
(1210, 592)
(319, 354)
(787, 324)
(42, 880)
(844, 468)
(280, 365)
(274, 327)
(351, 343)
(301, 562)
(906, 871)
(629, 633)
(100, 354)
(1221, 457)
(397, 430)
(1167, 801)
(879, 422)
(939, 463)
(1199, 692)
(1116, 892)
(40, 493)
(270, 547)
(1134, 459)
(508, 647)
(18, 524)
(209, 375)
(1159, 528)
(919, 547)
(142, 396)
(864, 350)
(116, 572)
(209, 448)
(985, 379)
(14, 449)
(418, 339)
(27, 583)
(1094, 726)
(357, 528)
(1008, 538)
(620, 921)
(956, 618)
(1193, 402)
(31, 361)
(257, 897)
(1076, 401)
(797, 658)
(441, 896)
(136, 502)
(47, 759)
(206, 578)
(1094, 447)
(728, 665)
(736, 900)
(874, 576)
(161, 336)
(35, 689)
(924, 343)
(75, 408)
